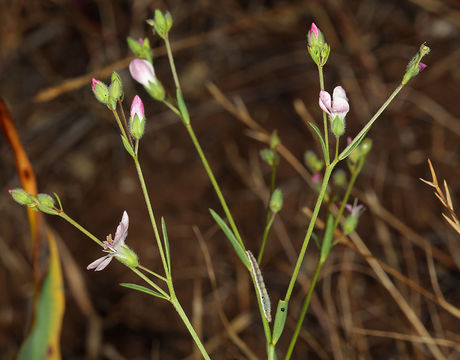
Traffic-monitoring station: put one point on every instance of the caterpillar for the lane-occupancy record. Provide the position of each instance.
(264, 299)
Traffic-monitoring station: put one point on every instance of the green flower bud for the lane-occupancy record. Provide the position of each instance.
(274, 140)
(141, 48)
(127, 256)
(267, 155)
(415, 66)
(365, 147)
(45, 200)
(312, 162)
(161, 23)
(22, 197)
(116, 87)
(137, 127)
(339, 178)
(101, 91)
(276, 201)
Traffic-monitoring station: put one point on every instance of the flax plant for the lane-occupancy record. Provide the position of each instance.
(334, 110)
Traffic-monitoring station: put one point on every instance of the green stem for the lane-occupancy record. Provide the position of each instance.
(150, 282)
(151, 215)
(337, 141)
(120, 125)
(353, 178)
(366, 128)
(311, 226)
(152, 273)
(304, 311)
(81, 228)
(214, 183)
(183, 316)
(265, 237)
(171, 107)
(124, 120)
(171, 62)
(326, 130)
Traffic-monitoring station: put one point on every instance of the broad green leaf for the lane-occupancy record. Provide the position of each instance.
(240, 251)
(321, 140)
(166, 242)
(43, 339)
(280, 320)
(143, 289)
(327, 240)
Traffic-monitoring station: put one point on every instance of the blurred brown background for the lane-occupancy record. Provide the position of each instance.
(255, 50)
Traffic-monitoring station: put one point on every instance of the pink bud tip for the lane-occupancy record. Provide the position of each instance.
(314, 30)
(94, 82)
(316, 178)
(422, 66)
(141, 41)
(137, 107)
(10, 191)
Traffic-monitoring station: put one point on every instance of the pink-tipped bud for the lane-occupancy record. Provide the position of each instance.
(422, 66)
(94, 83)
(316, 178)
(314, 30)
(142, 71)
(141, 41)
(137, 107)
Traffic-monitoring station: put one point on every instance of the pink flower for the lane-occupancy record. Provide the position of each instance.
(142, 71)
(422, 66)
(137, 108)
(355, 210)
(316, 178)
(339, 104)
(313, 30)
(94, 82)
(141, 41)
(113, 247)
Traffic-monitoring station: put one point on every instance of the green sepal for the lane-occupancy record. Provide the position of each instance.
(166, 242)
(127, 146)
(182, 107)
(143, 289)
(280, 320)
(240, 251)
(327, 240)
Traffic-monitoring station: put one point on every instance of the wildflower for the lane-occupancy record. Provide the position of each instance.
(116, 248)
(351, 221)
(422, 66)
(137, 118)
(337, 108)
(316, 45)
(142, 71)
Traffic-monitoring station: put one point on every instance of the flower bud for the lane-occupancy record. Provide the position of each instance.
(276, 201)
(137, 118)
(101, 91)
(21, 196)
(142, 71)
(317, 47)
(312, 162)
(45, 200)
(270, 157)
(365, 146)
(161, 23)
(415, 65)
(141, 48)
(127, 256)
(339, 178)
(116, 87)
(349, 225)
(274, 140)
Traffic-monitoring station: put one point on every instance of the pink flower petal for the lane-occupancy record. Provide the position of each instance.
(422, 66)
(340, 104)
(325, 102)
(314, 30)
(137, 107)
(100, 264)
(142, 71)
(122, 231)
(93, 83)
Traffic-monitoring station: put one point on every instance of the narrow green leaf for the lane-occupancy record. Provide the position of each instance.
(327, 240)
(280, 320)
(182, 107)
(316, 239)
(231, 237)
(166, 242)
(352, 146)
(142, 289)
(58, 200)
(127, 146)
(318, 132)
